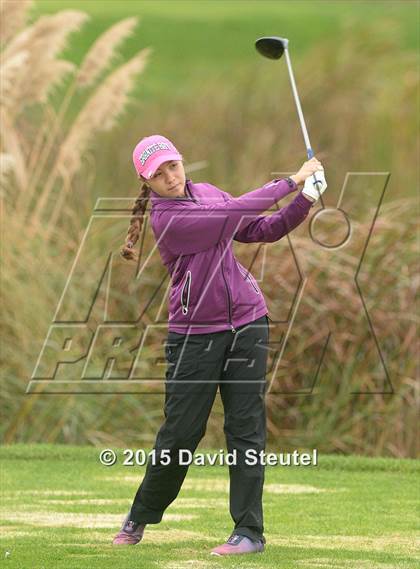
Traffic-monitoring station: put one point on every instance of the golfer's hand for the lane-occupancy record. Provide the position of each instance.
(315, 185)
(307, 169)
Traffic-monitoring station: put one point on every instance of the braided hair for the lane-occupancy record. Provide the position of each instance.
(136, 222)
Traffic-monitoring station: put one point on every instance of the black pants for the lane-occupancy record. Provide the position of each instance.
(197, 365)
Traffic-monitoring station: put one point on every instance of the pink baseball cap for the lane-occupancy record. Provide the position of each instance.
(151, 152)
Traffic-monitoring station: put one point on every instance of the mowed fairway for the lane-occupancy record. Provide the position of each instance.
(61, 508)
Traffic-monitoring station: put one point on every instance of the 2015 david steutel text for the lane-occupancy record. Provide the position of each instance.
(251, 457)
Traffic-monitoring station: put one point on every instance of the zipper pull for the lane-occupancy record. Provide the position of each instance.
(233, 329)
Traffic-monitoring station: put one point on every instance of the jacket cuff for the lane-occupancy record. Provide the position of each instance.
(292, 183)
(304, 202)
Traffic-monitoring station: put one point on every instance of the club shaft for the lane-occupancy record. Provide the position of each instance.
(309, 150)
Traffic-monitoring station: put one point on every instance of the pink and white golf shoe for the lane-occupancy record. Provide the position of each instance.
(130, 533)
(238, 544)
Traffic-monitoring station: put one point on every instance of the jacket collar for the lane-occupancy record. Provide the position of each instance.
(157, 199)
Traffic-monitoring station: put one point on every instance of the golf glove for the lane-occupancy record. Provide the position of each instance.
(313, 189)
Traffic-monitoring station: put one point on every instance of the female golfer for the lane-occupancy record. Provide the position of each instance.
(218, 329)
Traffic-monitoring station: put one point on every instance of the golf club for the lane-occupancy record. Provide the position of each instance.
(273, 47)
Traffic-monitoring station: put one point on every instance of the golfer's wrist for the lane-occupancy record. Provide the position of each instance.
(297, 179)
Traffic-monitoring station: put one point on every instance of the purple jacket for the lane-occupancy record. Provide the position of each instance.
(211, 291)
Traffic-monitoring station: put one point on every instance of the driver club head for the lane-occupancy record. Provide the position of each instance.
(271, 46)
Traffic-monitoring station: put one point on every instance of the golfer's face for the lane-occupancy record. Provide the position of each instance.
(169, 179)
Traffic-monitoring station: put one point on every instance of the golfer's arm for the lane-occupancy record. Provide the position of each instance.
(191, 227)
(270, 228)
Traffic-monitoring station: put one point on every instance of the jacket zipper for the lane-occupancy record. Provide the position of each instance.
(228, 297)
(186, 284)
(247, 277)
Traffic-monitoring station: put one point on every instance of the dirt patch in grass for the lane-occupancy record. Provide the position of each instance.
(151, 534)
(50, 493)
(218, 485)
(294, 489)
(342, 564)
(195, 503)
(188, 564)
(206, 485)
(80, 520)
(215, 485)
(129, 478)
(13, 531)
(181, 503)
(394, 542)
(85, 501)
(173, 534)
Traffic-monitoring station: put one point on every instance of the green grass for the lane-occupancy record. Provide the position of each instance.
(203, 40)
(351, 512)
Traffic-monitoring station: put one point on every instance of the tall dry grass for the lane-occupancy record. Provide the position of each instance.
(358, 115)
(40, 159)
(96, 61)
(31, 70)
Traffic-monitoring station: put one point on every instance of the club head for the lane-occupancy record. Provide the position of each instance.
(271, 46)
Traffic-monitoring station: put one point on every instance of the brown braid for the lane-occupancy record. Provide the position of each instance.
(136, 222)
